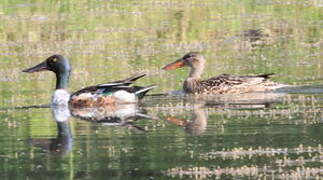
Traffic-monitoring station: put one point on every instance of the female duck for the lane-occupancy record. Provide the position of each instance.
(92, 96)
(222, 84)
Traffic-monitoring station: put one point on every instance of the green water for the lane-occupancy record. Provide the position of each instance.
(272, 136)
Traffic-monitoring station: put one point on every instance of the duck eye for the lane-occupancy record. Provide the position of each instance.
(54, 60)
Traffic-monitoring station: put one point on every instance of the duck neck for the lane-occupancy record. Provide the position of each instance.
(63, 129)
(196, 72)
(62, 80)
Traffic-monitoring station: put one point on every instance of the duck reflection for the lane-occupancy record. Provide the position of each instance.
(122, 115)
(62, 144)
(119, 115)
(196, 124)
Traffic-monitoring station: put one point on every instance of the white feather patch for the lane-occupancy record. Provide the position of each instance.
(60, 97)
(125, 96)
(61, 113)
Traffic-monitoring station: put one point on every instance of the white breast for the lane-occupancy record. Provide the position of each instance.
(60, 97)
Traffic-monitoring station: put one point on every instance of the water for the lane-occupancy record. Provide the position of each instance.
(254, 136)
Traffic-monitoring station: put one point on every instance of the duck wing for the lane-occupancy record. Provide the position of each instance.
(227, 79)
(111, 86)
(139, 91)
(127, 81)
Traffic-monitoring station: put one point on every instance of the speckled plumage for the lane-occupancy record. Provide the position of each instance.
(225, 83)
(222, 84)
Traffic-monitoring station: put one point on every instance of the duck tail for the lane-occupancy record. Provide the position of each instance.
(134, 77)
(266, 76)
(141, 91)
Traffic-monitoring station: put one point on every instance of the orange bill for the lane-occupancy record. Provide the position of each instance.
(177, 64)
(177, 121)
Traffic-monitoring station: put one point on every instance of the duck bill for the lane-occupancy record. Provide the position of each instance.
(40, 67)
(177, 64)
(177, 121)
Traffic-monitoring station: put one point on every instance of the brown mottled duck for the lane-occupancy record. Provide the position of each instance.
(222, 84)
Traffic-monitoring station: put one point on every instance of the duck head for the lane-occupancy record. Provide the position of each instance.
(193, 60)
(57, 64)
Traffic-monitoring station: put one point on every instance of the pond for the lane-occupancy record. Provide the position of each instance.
(275, 135)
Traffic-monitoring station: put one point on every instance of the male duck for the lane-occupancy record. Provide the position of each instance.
(222, 84)
(92, 96)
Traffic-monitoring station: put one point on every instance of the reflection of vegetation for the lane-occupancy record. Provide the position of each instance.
(240, 141)
(106, 39)
(281, 163)
(240, 153)
(243, 172)
(269, 107)
(273, 161)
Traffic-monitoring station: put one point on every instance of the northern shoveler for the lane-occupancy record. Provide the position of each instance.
(222, 84)
(93, 96)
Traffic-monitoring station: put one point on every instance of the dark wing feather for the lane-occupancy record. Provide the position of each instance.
(266, 76)
(112, 86)
(127, 81)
